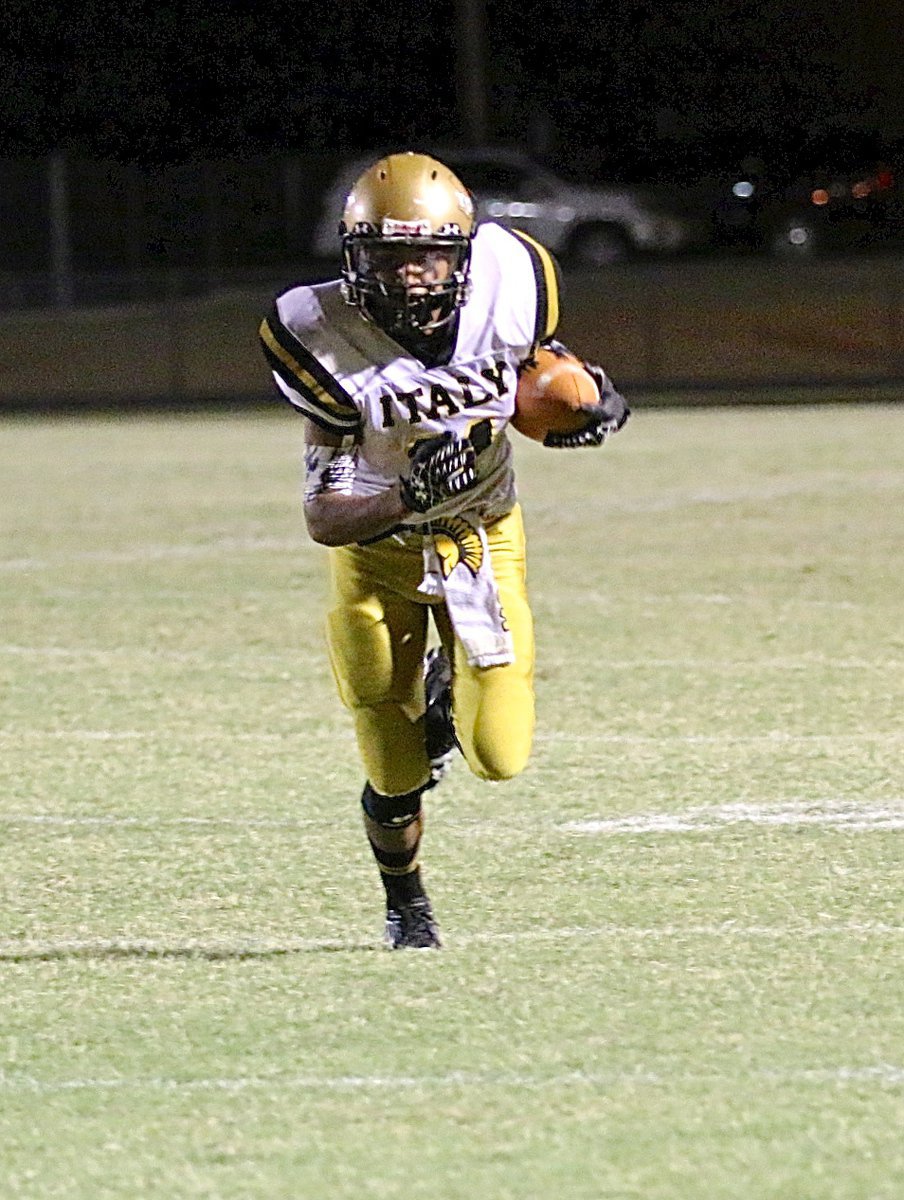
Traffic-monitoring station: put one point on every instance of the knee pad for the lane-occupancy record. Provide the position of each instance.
(501, 757)
(395, 812)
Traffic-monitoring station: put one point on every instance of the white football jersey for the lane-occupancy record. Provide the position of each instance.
(349, 377)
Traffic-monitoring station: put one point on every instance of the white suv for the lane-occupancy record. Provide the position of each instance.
(588, 226)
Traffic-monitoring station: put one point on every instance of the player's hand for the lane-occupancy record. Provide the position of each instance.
(603, 419)
(441, 467)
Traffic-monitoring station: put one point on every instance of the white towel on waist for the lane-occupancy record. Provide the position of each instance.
(458, 567)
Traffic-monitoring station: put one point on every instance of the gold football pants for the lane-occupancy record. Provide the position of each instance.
(377, 634)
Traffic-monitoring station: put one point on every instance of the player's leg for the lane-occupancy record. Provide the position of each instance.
(394, 825)
(377, 637)
(494, 706)
(376, 633)
(440, 738)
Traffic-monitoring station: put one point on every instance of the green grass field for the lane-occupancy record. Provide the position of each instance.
(674, 962)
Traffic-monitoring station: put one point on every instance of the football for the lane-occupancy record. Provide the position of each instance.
(553, 394)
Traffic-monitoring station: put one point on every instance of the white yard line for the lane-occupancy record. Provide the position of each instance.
(881, 1075)
(832, 485)
(773, 737)
(156, 553)
(852, 815)
(154, 654)
(114, 821)
(803, 662)
(809, 662)
(165, 737)
(722, 929)
(778, 737)
(721, 598)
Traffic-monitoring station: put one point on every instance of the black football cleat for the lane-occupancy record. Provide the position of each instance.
(411, 926)
(439, 728)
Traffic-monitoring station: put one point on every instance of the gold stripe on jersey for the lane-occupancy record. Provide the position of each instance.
(321, 397)
(546, 274)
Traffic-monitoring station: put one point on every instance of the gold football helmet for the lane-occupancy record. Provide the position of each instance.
(406, 244)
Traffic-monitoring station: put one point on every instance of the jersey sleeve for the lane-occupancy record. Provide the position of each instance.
(547, 280)
(303, 379)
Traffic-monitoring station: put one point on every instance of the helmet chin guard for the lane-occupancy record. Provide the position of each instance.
(406, 245)
(406, 308)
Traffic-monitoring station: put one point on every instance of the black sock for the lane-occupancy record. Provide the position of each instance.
(402, 889)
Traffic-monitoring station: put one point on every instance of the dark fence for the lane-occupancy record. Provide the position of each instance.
(67, 218)
(121, 284)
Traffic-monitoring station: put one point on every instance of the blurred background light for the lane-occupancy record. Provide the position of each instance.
(743, 189)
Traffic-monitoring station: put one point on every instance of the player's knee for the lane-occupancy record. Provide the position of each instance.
(496, 763)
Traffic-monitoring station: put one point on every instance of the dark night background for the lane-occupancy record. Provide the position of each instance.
(154, 153)
(626, 90)
(202, 136)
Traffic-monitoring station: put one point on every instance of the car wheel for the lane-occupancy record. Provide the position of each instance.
(599, 246)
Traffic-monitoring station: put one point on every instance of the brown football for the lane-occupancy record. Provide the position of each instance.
(552, 392)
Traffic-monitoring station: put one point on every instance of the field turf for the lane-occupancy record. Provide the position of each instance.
(674, 961)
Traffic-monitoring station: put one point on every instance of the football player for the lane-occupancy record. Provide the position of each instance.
(405, 371)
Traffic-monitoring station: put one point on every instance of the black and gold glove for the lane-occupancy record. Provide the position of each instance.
(604, 418)
(441, 467)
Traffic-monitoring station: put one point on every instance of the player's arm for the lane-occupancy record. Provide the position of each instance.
(333, 515)
(611, 412)
(440, 468)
